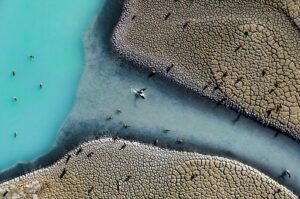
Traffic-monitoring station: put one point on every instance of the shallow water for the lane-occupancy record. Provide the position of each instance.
(201, 123)
(52, 31)
(203, 126)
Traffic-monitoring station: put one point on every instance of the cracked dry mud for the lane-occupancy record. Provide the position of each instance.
(121, 169)
(243, 53)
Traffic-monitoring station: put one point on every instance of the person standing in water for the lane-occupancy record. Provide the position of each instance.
(141, 92)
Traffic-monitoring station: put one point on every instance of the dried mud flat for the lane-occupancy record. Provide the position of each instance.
(243, 53)
(108, 168)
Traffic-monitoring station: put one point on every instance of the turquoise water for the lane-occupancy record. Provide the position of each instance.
(105, 87)
(52, 31)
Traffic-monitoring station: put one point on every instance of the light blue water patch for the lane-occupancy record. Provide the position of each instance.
(52, 31)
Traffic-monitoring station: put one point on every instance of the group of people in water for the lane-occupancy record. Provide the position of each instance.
(14, 72)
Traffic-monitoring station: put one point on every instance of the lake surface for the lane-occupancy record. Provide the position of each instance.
(52, 31)
(105, 86)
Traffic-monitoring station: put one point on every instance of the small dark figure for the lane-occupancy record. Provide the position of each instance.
(278, 191)
(220, 102)
(118, 185)
(224, 75)
(41, 85)
(169, 68)
(13, 72)
(285, 173)
(237, 118)
(115, 137)
(167, 16)
(110, 117)
(217, 87)
(133, 17)
(238, 48)
(127, 178)
(119, 111)
(126, 125)
(15, 134)
(15, 98)
(63, 173)
(276, 134)
(264, 125)
(179, 141)
(90, 190)
(78, 151)
(31, 56)
(90, 154)
(5, 193)
(269, 112)
(68, 158)
(238, 80)
(167, 130)
(141, 92)
(152, 74)
(278, 107)
(193, 177)
(123, 146)
(185, 24)
(156, 142)
(263, 73)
